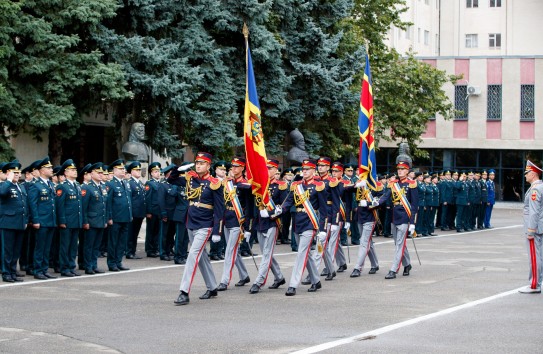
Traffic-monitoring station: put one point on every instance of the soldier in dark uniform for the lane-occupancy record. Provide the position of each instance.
(26, 261)
(106, 177)
(153, 210)
(81, 245)
(452, 206)
(434, 205)
(41, 200)
(484, 201)
(446, 199)
(70, 218)
(94, 200)
(216, 249)
(167, 197)
(138, 208)
(119, 209)
(355, 233)
(54, 252)
(180, 219)
(468, 211)
(287, 176)
(13, 220)
(387, 225)
(477, 200)
(421, 214)
(462, 202)
(204, 219)
(491, 190)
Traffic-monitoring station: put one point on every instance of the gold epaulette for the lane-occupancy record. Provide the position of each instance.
(412, 183)
(333, 182)
(319, 186)
(282, 186)
(214, 183)
(379, 187)
(391, 184)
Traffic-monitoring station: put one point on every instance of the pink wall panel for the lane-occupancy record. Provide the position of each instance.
(461, 66)
(527, 130)
(494, 129)
(431, 62)
(527, 71)
(494, 71)
(460, 129)
(430, 129)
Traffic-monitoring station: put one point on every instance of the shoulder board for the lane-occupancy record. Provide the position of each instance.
(379, 187)
(294, 184)
(333, 182)
(191, 174)
(282, 185)
(214, 183)
(412, 183)
(391, 184)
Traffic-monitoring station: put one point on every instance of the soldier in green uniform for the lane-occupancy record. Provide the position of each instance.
(462, 202)
(484, 200)
(420, 226)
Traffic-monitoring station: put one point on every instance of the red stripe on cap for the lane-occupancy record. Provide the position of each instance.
(308, 164)
(403, 165)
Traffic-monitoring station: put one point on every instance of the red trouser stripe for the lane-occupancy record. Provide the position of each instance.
(271, 255)
(234, 255)
(369, 242)
(534, 263)
(198, 257)
(403, 249)
(340, 224)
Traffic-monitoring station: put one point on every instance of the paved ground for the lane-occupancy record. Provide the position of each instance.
(432, 310)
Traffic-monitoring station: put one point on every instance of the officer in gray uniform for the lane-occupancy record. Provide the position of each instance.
(533, 227)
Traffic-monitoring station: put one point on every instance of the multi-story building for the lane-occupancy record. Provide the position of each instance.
(494, 45)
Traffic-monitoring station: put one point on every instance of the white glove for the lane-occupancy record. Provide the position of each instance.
(411, 228)
(247, 235)
(264, 213)
(375, 202)
(334, 228)
(363, 203)
(347, 225)
(278, 210)
(215, 238)
(322, 236)
(185, 167)
(361, 184)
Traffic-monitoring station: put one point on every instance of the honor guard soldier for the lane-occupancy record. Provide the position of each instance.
(70, 218)
(287, 176)
(405, 205)
(13, 221)
(239, 206)
(216, 250)
(180, 219)
(167, 196)
(153, 210)
(267, 229)
(138, 208)
(94, 200)
(41, 200)
(119, 209)
(367, 215)
(491, 190)
(204, 219)
(309, 197)
(533, 227)
(355, 235)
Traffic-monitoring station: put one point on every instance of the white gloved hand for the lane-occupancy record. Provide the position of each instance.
(185, 167)
(264, 213)
(322, 236)
(334, 228)
(247, 235)
(363, 203)
(278, 210)
(411, 228)
(347, 225)
(215, 238)
(361, 184)
(375, 202)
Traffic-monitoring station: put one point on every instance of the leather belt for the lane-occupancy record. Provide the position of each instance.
(201, 205)
(397, 203)
(329, 202)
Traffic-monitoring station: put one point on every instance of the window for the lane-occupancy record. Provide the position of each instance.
(472, 3)
(426, 38)
(408, 32)
(418, 34)
(471, 41)
(527, 102)
(461, 102)
(495, 40)
(494, 102)
(495, 3)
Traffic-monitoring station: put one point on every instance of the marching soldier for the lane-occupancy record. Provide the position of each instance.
(286, 216)
(533, 227)
(267, 227)
(167, 196)
(13, 220)
(491, 190)
(204, 219)
(153, 210)
(69, 212)
(216, 249)
(309, 197)
(405, 205)
(355, 234)
(119, 209)
(94, 200)
(41, 200)
(138, 208)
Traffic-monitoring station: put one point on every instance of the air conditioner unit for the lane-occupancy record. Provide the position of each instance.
(474, 90)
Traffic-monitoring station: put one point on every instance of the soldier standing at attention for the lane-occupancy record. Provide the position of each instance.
(81, 244)
(204, 219)
(533, 227)
(461, 187)
(484, 201)
(70, 218)
(119, 209)
(153, 210)
(167, 196)
(13, 220)
(421, 214)
(138, 208)
(180, 219)
(94, 198)
(26, 261)
(491, 190)
(41, 200)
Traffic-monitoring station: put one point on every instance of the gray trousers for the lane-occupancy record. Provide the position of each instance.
(399, 233)
(334, 247)
(325, 254)
(231, 256)
(535, 254)
(266, 241)
(198, 257)
(305, 256)
(366, 246)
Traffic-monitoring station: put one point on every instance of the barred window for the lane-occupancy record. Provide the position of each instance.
(461, 102)
(495, 3)
(527, 104)
(472, 3)
(494, 102)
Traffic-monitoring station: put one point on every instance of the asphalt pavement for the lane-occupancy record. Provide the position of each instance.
(462, 298)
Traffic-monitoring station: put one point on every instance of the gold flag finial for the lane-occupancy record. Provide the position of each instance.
(245, 30)
(367, 46)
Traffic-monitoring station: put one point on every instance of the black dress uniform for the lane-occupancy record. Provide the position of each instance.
(180, 219)
(119, 209)
(153, 213)
(29, 241)
(167, 197)
(13, 221)
(138, 210)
